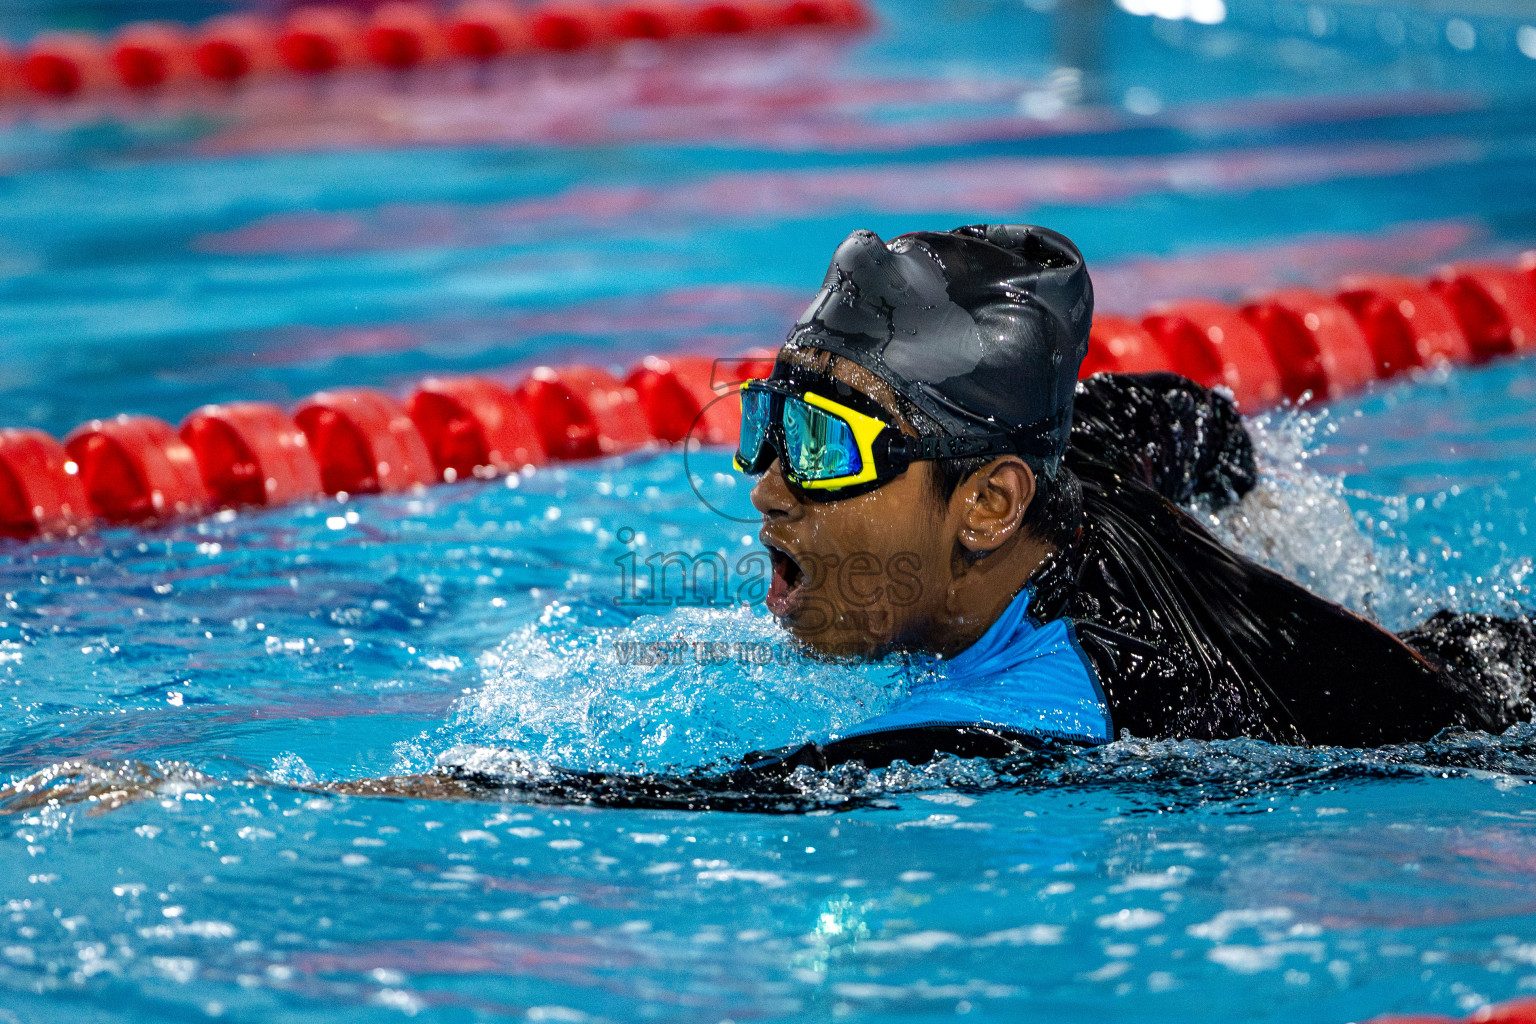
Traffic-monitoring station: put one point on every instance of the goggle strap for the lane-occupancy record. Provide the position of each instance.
(918, 449)
(968, 447)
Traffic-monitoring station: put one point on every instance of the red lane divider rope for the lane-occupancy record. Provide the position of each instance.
(60, 64)
(676, 395)
(1292, 344)
(151, 54)
(318, 40)
(135, 468)
(251, 453)
(1215, 346)
(1316, 342)
(1120, 343)
(364, 442)
(1496, 306)
(582, 412)
(649, 21)
(40, 490)
(227, 49)
(403, 35)
(1406, 323)
(475, 427)
(396, 36)
(1516, 1011)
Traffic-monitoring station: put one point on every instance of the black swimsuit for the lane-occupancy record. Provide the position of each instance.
(1192, 640)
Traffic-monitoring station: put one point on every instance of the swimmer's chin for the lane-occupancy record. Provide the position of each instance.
(817, 641)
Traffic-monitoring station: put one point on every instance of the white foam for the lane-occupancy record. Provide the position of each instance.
(1297, 521)
(622, 699)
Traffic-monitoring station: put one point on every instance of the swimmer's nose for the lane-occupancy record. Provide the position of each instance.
(771, 494)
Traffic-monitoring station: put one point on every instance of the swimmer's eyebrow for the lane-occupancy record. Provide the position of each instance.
(885, 398)
(822, 361)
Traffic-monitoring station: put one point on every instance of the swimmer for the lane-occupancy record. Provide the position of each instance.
(934, 481)
(925, 411)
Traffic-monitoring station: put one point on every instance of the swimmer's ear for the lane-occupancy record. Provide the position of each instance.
(992, 503)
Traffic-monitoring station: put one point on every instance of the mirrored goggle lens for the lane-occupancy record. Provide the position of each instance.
(756, 406)
(818, 445)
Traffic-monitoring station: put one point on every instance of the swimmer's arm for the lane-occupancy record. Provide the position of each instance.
(759, 784)
(878, 750)
(759, 772)
(108, 785)
(1184, 441)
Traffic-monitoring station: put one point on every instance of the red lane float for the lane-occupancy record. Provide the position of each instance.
(583, 412)
(734, 18)
(832, 13)
(251, 453)
(565, 27)
(398, 35)
(726, 376)
(1213, 345)
(1117, 344)
(40, 489)
(1516, 1011)
(402, 35)
(1315, 341)
(657, 20)
(851, 14)
(151, 54)
(474, 427)
(679, 401)
(136, 468)
(230, 48)
(319, 40)
(1405, 323)
(8, 71)
(1496, 307)
(753, 365)
(62, 64)
(486, 29)
(724, 383)
(364, 442)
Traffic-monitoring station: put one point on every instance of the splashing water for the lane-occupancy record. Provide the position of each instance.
(1358, 546)
(687, 688)
(289, 769)
(1298, 522)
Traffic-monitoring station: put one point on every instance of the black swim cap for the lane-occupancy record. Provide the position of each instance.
(983, 328)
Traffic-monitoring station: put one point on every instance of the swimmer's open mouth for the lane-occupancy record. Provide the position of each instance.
(787, 585)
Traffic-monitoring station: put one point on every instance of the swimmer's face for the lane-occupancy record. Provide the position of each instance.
(862, 575)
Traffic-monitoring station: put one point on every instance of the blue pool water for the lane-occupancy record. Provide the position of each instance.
(268, 245)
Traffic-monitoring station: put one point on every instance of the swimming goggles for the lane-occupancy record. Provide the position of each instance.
(836, 447)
